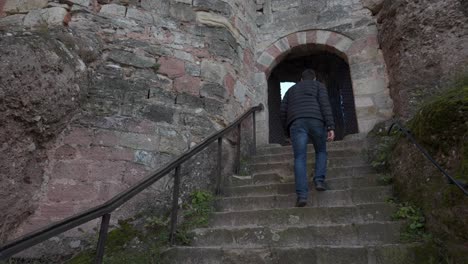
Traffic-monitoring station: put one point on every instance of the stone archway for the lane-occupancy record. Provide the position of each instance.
(332, 71)
(366, 64)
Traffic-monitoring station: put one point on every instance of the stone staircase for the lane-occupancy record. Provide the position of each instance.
(256, 222)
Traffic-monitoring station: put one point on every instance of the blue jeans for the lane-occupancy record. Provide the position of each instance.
(301, 130)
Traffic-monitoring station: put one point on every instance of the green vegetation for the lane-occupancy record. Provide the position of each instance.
(385, 180)
(415, 228)
(380, 153)
(442, 125)
(196, 214)
(141, 244)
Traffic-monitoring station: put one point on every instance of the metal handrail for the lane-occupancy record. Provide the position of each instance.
(108, 207)
(426, 154)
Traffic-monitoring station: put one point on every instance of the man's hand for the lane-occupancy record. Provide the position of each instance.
(331, 135)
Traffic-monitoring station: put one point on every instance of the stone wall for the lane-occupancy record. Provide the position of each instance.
(162, 75)
(425, 48)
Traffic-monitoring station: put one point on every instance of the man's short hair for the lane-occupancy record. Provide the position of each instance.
(308, 74)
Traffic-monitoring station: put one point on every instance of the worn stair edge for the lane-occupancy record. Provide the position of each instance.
(285, 175)
(310, 155)
(316, 199)
(289, 164)
(305, 216)
(289, 187)
(335, 145)
(332, 234)
(381, 254)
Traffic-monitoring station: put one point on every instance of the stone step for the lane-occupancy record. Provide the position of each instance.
(331, 146)
(289, 187)
(305, 216)
(379, 254)
(330, 198)
(312, 235)
(310, 155)
(286, 175)
(288, 165)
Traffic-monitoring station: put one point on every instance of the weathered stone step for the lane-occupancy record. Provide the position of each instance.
(305, 216)
(289, 164)
(331, 235)
(286, 175)
(289, 187)
(310, 155)
(380, 254)
(331, 146)
(316, 199)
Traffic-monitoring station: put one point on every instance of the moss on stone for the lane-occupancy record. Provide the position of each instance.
(441, 126)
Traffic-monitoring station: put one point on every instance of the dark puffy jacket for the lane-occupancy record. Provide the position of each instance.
(307, 98)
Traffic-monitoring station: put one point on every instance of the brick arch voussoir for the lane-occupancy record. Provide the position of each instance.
(331, 41)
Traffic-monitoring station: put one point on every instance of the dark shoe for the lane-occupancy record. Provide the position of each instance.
(320, 186)
(301, 202)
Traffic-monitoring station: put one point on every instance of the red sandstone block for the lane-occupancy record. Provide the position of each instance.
(76, 170)
(110, 189)
(107, 171)
(293, 40)
(229, 83)
(311, 37)
(65, 152)
(2, 5)
(56, 211)
(171, 67)
(333, 39)
(261, 67)
(67, 19)
(248, 58)
(273, 51)
(99, 153)
(106, 138)
(71, 193)
(188, 84)
(249, 62)
(78, 136)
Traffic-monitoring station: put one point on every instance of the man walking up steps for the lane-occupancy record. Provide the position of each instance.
(306, 113)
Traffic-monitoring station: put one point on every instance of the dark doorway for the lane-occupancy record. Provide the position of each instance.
(333, 72)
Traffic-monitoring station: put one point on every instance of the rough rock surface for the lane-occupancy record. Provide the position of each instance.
(424, 44)
(40, 88)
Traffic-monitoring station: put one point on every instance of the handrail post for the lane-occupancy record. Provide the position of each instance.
(102, 238)
(254, 128)
(218, 166)
(237, 163)
(175, 204)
